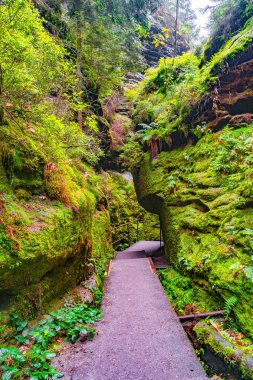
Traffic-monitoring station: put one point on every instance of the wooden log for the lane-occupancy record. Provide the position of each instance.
(201, 315)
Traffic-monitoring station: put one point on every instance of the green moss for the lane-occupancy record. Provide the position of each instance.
(210, 194)
(206, 220)
(204, 179)
(169, 95)
(23, 194)
(102, 249)
(233, 354)
(185, 295)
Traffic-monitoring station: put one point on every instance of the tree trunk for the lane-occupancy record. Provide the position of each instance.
(153, 149)
(1, 97)
(79, 74)
(176, 27)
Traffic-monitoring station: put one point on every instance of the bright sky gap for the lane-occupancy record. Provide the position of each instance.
(202, 19)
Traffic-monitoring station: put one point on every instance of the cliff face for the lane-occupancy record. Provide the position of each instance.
(202, 189)
(47, 245)
(204, 197)
(161, 21)
(231, 100)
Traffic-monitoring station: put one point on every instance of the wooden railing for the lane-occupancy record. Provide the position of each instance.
(127, 224)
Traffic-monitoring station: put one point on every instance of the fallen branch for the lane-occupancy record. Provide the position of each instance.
(201, 315)
(215, 326)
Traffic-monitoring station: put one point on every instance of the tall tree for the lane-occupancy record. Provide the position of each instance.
(78, 11)
(105, 42)
(186, 14)
(176, 27)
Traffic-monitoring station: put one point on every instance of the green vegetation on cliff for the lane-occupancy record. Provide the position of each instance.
(207, 192)
(194, 142)
(166, 101)
(62, 113)
(57, 208)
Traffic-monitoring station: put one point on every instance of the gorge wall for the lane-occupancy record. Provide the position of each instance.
(159, 43)
(200, 180)
(60, 212)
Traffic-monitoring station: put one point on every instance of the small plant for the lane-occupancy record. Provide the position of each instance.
(33, 360)
(201, 130)
(172, 184)
(229, 305)
(2, 326)
(234, 152)
(17, 322)
(97, 294)
(248, 270)
(33, 364)
(131, 155)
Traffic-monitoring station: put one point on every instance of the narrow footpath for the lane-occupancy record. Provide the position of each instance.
(139, 337)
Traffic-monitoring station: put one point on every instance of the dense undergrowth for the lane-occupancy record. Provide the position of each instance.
(165, 100)
(186, 296)
(33, 349)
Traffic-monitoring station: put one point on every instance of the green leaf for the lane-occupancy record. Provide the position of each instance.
(13, 352)
(247, 231)
(7, 375)
(147, 137)
(22, 339)
(21, 325)
(50, 355)
(57, 375)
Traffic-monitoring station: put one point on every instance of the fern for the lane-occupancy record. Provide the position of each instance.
(229, 305)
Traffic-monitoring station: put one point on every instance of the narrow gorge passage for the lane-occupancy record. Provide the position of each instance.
(139, 336)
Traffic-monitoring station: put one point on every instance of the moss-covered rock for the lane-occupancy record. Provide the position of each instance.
(206, 220)
(48, 253)
(235, 355)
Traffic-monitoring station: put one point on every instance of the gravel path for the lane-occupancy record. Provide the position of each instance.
(139, 337)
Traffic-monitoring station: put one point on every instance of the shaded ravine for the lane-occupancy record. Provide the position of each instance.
(139, 336)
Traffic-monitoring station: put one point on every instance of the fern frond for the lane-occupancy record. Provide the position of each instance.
(230, 304)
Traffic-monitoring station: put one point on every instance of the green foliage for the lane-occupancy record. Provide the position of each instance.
(186, 296)
(129, 221)
(207, 215)
(17, 322)
(235, 151)
(249, 272)
(32, 63)
(201, 130)
(98, 295)
(125, 211)
(229, 305)
(169, 89)
(169, 93)
(227, 18)
(105, 34)
(35, 364)
(131, 154)
(6, 243)
(39, 140)
(35, 361)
